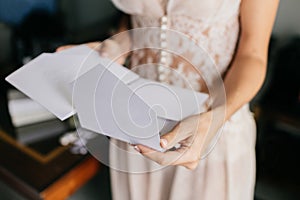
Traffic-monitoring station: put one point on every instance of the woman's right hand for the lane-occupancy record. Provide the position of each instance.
(108, 48)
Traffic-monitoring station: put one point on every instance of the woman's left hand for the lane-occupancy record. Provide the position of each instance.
(191, 134)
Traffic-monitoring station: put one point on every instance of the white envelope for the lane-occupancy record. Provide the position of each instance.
(108, 98)
(136, 112)
(46, 79)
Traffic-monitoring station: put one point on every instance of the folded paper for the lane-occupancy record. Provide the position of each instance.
(107, 97)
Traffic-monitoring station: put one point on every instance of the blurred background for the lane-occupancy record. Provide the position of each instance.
(35, 165)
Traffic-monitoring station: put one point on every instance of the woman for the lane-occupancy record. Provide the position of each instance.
(235, 34)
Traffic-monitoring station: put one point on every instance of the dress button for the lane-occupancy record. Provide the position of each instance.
(164, 19)
(160, 68)
(163, 67)
(163, 44)
(163, 35)
(163, 26)
(162, 77)
(163, 60)
(163, 53)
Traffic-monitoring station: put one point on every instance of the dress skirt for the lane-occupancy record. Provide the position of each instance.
(227, 173)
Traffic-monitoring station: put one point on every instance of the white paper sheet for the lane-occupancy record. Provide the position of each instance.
(46, 79)
(109, 107)
(136, 112)
(108, 98)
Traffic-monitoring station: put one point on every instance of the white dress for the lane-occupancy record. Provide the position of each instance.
(228, 172)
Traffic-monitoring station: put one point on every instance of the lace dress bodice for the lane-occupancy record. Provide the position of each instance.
(212, 24)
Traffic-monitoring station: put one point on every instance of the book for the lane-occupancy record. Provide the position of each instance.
(25, 111)
(40, 131)
(32, 121)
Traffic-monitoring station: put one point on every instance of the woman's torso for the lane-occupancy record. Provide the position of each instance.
(211, 25)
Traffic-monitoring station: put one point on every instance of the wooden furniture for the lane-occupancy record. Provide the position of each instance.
(45, 170)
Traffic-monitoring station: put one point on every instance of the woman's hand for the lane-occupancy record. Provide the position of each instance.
(92, 45)
(108, 48)
(192, 136)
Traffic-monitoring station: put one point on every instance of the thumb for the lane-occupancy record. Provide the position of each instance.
(181, 132)
(168, 140)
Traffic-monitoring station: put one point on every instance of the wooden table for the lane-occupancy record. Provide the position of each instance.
(52, 173)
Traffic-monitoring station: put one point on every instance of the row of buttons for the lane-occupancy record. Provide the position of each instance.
(163, 69)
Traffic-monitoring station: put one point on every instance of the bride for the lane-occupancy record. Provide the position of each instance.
(235, 35)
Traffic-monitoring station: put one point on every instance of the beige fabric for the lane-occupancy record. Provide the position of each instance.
(228, 173)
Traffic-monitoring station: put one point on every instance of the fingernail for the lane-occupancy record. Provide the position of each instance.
(137, 149)
(163, 143)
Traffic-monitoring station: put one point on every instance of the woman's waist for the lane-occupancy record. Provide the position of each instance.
(171, 69)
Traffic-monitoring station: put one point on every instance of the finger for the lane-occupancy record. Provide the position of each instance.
(64, 47)
(112, 50)
(187, 156)
(168, 140)
(143, 149)
(177, 135)
(191, 165)
(188, 159)
(163, 158)
(111, 47)
(192, 155)
(94, 45)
